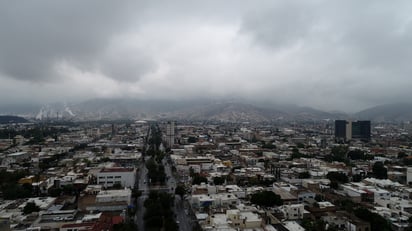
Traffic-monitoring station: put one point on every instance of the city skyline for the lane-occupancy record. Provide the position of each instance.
(328, 55)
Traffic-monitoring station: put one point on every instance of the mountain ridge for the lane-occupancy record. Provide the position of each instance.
(225, 111)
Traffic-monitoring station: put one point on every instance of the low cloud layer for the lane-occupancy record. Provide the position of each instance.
(326, 54)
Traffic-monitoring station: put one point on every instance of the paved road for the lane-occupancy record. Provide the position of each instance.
(142, 184)
(181, 208)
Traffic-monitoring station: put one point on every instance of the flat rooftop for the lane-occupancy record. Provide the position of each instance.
(117, 170)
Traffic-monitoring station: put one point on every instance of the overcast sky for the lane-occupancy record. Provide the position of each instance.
(333, 55)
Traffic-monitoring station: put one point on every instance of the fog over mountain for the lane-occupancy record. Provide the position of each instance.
(225, 111)
(327, 55)
(222, 110)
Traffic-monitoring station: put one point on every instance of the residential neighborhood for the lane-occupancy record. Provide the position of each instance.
(171, 175)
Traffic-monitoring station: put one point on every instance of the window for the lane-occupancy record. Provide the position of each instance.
(110, 177)
(117, 177)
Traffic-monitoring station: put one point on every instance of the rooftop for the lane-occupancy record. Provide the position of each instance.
(117, 170)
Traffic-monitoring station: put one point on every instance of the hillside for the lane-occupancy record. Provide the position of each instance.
(387, 112)
(6, 119)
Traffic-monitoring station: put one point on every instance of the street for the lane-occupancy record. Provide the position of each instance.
(181, 208)
(142, 185)
(183, 215)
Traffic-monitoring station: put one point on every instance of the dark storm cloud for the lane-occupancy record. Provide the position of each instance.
(343, 55)
(360, 51)
(281, 24)
(36, 35)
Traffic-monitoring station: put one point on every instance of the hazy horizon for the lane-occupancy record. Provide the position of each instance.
(345, 56)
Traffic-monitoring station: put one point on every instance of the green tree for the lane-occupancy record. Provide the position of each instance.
(198, 179)
(379, 170)
(402, 155)
(129, 226)
(269, 145)
(296, 154)
(170, 225)
(377, 222)
(337, 178)
(192, 139)
(338, 153)
(30, 207)
(15, 191)
(55, 192)
(304, 175)
(356, 155)
(218, 180)
(266, 198)
(68, 189)
(300, 145)
(180, 190)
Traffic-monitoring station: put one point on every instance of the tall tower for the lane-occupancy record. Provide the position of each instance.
(348, 130)
(340, 130)
(170, 133)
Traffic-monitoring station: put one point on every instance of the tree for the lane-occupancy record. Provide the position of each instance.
(266, 198)
(158, 211)
(338, 153)
(180, 190)
(338, 176)
(304, 175)
(300, 145)
(402, 155)
(130, 226)
(15, 191)
(319, 197)
(296, 154)
(68, 189)
(170, 225)
(356, 178)
(54, 192)
(198, 179)
(30, 207)
(356, 155)
(377, 222)
(269, 145)
(379, 170)
(218, 180)
(192, 139)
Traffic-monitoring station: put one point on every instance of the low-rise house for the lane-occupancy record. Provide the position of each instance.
(108, 177)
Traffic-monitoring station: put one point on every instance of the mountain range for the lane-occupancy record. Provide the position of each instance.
(225, 111)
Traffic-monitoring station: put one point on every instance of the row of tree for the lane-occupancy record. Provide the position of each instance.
(156, 171)
(159, 214)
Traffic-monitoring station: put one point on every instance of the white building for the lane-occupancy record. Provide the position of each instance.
(109, 196)
(409, 176)
(110, 176)
(293, 211)
(215, 200)
(243, 220)
(111, 200)
(170, 133)
(380, 194)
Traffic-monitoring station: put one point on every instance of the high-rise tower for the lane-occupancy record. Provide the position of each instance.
(348, 130)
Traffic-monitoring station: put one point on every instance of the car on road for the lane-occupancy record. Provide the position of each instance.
(58, 219)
